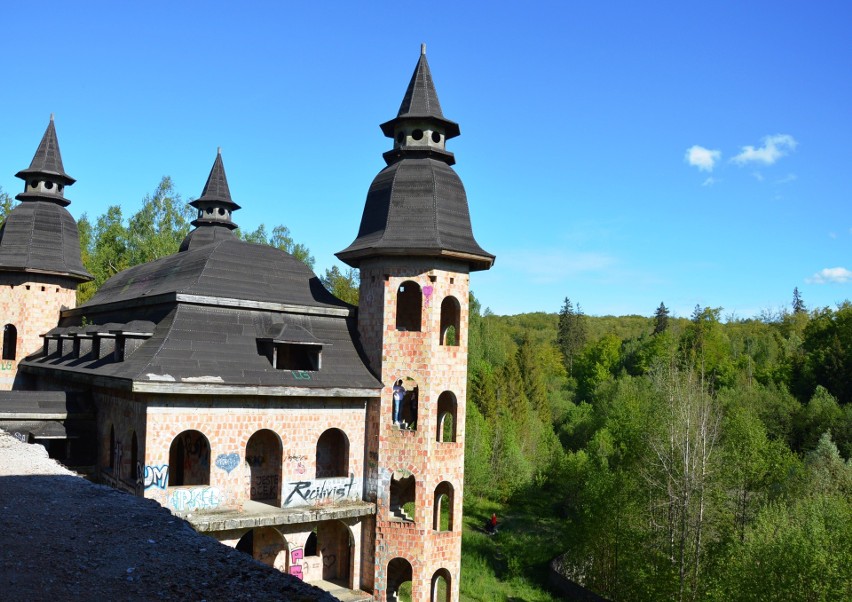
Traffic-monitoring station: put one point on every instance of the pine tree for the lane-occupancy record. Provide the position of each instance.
(798, 304)
(661, 318)
(571, 333)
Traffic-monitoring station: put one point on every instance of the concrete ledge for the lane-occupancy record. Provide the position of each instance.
(256, 514)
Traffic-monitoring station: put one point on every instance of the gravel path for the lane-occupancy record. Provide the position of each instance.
(64, 538)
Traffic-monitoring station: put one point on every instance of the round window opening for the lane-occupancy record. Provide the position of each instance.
(210, 211)
(48, 185)
(417, 134)
(34, 184)
(400, 137)
(436, 137)
(221, 211)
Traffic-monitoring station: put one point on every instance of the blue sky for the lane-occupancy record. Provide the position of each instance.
(619, 153)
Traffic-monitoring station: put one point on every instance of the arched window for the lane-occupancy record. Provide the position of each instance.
(404, 410)
(10, 342)
(332, 454)
(446, 429)
(189, 460)
(441, 586)
(264, 454)
(450, 321)
(409, 306)
(399, 576)
(266, 545)
(403, 493)
(442, 519)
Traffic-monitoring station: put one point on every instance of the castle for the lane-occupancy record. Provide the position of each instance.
(227, 384)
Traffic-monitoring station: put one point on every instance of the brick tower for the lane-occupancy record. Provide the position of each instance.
(415, 250)
(40, 265)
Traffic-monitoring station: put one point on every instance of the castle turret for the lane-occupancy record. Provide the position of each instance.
(214, 210)
(40, 262)
(415, 250)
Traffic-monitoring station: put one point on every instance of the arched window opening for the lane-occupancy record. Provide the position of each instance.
(332, 454)
(399, 576)
(112, 453)
(405, 403)
(409, 306)
(442, 519)
(403, 490)
(330, 544)
(450, 321)
(10, 342)
(266, 545)
(264, 455)
(311, 544)
(441, 589)
(447, 408)
(189, 460)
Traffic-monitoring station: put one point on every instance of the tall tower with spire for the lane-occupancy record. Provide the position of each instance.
(215, 208)
(40, 263)
(415, 250)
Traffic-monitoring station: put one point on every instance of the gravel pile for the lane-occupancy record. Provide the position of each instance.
(64, 538)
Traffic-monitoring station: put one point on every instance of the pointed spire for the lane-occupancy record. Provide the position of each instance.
(45, 177)
(215, 205)
(47, 159)
(421, 101)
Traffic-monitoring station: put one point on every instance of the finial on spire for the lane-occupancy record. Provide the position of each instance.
(51, 116)
(218, 150)
(423, 48)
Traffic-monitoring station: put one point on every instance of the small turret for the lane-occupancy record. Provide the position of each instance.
(214, 210)
(45, 179)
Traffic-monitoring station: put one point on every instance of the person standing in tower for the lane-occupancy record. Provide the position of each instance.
(398, 395)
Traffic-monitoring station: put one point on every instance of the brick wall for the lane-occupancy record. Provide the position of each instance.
(31, 303)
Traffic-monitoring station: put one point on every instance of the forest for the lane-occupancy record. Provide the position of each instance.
(659, 458)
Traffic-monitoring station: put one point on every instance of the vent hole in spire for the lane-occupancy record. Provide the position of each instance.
(400, 137)
(48, 185)
(34, 184)
(436, 137)
(417, 134)
(221, 211)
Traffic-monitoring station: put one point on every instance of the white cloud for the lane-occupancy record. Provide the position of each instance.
(709, 181)
(774, 147)
(790, 177)
(757, 176)
(702, 158)
(827, 275)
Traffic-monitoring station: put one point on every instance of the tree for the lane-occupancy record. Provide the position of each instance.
(798, 304)
(280, 239)
(571, 333)
(6, 204)
(661, 319)
(343, 285)
(160, 225)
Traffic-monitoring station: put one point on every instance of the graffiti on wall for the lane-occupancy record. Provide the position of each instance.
(300, 565)
(153, 476)
(296, 557)
(22, 437)
(195, 498)
(7, 365)
(265, 487)
(320, 492)
(427, 295)
(227, 462)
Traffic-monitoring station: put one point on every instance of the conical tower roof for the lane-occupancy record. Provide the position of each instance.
(39, 235)
(421, 101)
(216, 189)
(214, 206)
(417, 206)
(47, 159)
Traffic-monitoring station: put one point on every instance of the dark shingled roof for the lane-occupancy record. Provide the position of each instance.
(229, 268)
(40, 236)
(421, 101)
(417, 206)
(48, 159)
(216, 189)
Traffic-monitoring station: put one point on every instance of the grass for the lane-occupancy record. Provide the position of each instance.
(512, 565)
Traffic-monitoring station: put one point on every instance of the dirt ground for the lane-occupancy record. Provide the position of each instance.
(64, 538)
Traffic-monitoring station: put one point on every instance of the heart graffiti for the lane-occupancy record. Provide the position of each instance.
(228, 462)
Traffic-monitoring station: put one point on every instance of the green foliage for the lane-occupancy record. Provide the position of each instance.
(280, 239)
(571, 333)
(343, 285)
(6, 204)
